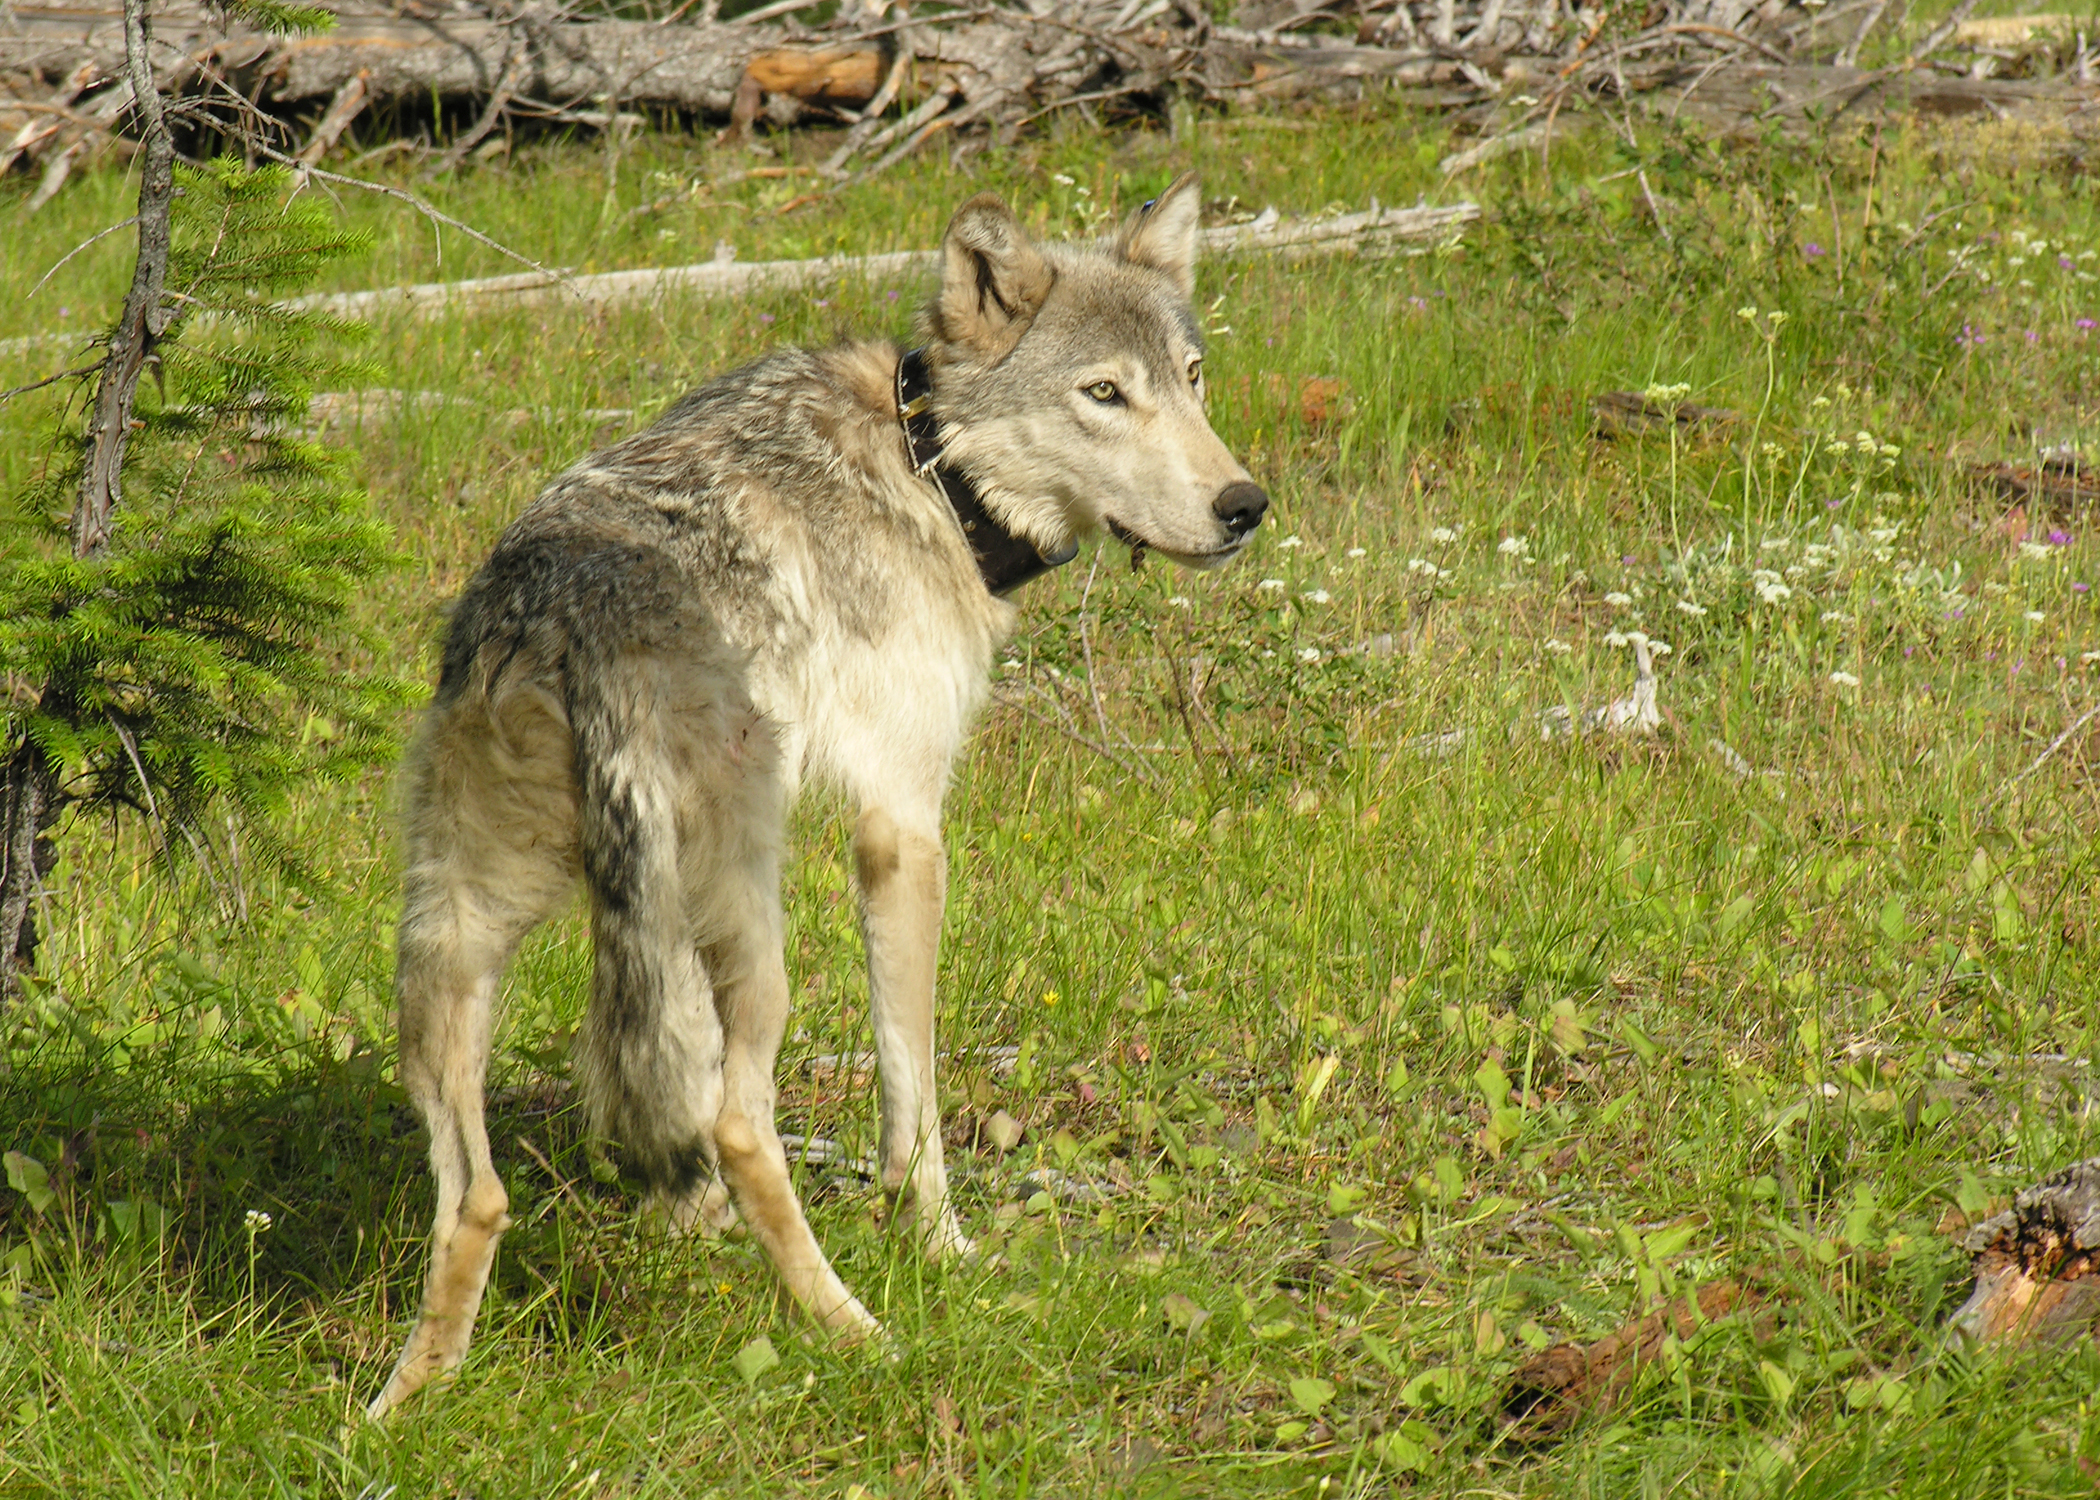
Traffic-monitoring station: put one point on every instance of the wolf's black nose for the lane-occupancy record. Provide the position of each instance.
(1240, 506)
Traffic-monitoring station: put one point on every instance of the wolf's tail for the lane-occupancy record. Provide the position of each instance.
(678, 804)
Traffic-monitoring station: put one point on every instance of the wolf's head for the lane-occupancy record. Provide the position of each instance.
(1069, 383)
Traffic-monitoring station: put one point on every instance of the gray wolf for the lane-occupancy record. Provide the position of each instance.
(773, 583)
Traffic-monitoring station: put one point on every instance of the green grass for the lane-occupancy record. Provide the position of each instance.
(1605, 1016)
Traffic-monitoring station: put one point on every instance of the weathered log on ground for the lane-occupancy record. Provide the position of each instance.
(1755, 92)
(694, 66)
(2038, 1264)
(1376, 231)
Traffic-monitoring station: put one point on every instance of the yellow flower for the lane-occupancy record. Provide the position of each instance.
(1049, 997)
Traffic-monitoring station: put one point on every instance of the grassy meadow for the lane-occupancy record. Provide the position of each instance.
(1370, 1032)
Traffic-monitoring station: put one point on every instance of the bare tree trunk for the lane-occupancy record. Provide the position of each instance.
(32, 791)
(28, 794)
(144, 316)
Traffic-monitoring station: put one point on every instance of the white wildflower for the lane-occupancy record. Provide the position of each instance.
(1315, 596)
(1181, 601)
(1884, 533)
(1834, 617)
(1290, 543)
(1355, 552)
(1686, 607)
(1776, 543)
(1659, 648)
(1890, 450)
(1559, 648)
(1420, 565)
(1060, 179)
(1617, 638)
(1443, 536)
(1309, 654)
(2034, 550)
(1618, 601)
(2035, 617)
(1511, 546)
(1773, 593)
(1747, 314)
(1844, 679)
(256, 1220)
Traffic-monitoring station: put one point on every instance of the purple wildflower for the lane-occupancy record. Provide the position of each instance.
(2033, 337)
(765, 317)
(2087, 324)
(2059, 538)
(823, 302)
(2080, 588)
(1969, 338)
(2064, 262)
(1811, 249)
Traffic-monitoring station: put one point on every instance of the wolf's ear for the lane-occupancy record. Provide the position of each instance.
(993, 279)
(1162, 234)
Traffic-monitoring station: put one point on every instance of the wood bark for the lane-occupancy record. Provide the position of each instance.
(2038, 1264)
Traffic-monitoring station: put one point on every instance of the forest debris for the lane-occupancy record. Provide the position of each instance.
(349, 102)
(971, 75)
(355, 410)
(2013, 31)
(2061, 481)
(1620, 413)
(1636, 713)
(2037, 1264)
(1553, 1390)
(734, 278)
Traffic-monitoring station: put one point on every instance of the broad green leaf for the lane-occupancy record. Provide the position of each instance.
(26, 1175)
(755, 1358)
(1311, 1393)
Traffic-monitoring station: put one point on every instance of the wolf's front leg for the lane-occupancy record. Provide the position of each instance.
(903, 883)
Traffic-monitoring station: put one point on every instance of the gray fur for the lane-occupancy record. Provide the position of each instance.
(685, 626)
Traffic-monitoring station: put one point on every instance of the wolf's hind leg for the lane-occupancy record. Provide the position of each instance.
(467, 909)
(752, 995)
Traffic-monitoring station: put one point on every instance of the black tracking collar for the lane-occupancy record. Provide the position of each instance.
(1004, 561)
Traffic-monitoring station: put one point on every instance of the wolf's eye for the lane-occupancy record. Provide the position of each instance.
(1103, 391)
(1195, 372)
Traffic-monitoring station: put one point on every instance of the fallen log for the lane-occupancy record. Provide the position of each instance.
(1375, 231)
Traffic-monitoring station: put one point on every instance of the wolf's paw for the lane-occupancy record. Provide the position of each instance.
(942, 1238)
(707, 1214)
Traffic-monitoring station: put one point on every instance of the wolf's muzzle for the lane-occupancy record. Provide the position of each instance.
(1240, 506)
